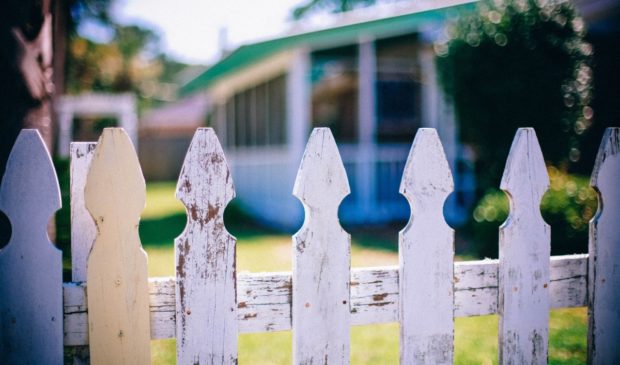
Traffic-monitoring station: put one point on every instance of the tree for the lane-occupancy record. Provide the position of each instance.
(514, 63)
(332, 6)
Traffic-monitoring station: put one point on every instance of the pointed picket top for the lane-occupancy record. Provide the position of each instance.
(115, 181)
(604, 255)
(118, 296)
(525, 177)
(206, 303)
(524, 251)
(321, 312)
(30, 181)
(609, 150)
(321, 179)
(427, 175)
(426, 250)
(30, 265)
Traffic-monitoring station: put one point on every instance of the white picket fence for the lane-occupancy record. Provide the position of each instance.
(115, 309)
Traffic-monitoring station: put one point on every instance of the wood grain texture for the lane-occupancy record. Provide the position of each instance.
(118, 301)
(30, 265)
(206, 307)
(83, 229)
(321, 257)
(604, 265)
(264, 302)
(426, 256)
(524, 250)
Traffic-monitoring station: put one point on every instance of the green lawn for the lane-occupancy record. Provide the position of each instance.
(260, 250)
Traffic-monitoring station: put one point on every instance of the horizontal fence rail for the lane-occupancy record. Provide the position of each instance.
(264, 299)
(113, 310)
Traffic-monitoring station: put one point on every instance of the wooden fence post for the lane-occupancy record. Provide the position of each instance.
(426, 272)
(604, 259)
(30, 266)
(83, 229)
(117, 291)
(321, 257)
(206, 303)
(524, 250)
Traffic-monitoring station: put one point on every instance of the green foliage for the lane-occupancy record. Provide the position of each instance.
(567, 207)
(517, 63)
(130, 62)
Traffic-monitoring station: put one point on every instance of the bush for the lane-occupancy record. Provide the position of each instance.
(567, 207)
(518, 63)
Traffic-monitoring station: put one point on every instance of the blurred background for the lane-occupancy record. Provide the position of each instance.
(374, 71)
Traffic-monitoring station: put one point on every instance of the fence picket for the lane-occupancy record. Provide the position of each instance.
(206, 304)
(604, 259)
(83, 229)
(30, 266)
(118, 298)
(426, 250)
(321, 259)
(524, 251)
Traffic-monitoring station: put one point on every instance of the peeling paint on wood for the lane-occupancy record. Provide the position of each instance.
(268, 297)
(604, 264)
(426, 255)
(83, 229)
(524, 249)
(206, 306)
(118, 302)
(321, 257)
(30, 265)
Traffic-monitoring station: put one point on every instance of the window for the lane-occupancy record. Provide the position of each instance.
(335, 92)
(398, 89)
(257, 116)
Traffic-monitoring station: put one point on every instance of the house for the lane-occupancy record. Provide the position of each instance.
(371, 78)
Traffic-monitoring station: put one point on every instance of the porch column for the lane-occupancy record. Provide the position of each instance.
(298, 122)
(436, 110)
(65, 122)
(220, 123)
(298, 111)
(367, 111)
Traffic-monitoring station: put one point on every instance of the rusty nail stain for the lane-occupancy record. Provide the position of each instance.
(242, 305)
(307, 305)
(188, 312)
(378, 297)
(545, 285)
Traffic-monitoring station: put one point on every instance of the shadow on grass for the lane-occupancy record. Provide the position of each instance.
(381, 237)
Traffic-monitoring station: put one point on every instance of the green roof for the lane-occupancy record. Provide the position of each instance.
(249, 54)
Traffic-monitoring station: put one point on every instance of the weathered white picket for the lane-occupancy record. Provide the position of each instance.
(207, 304)
(206, 307)
(321, 257)
(524, 250)
(426, 261)
(604, 263)
(30, 265)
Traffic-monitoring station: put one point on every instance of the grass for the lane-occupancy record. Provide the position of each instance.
(261, 250)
